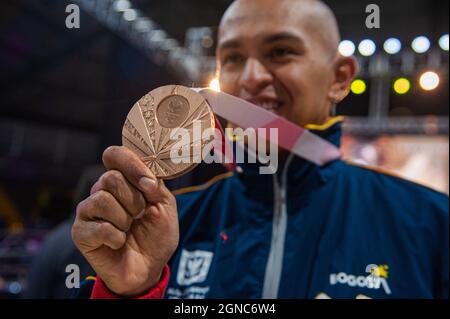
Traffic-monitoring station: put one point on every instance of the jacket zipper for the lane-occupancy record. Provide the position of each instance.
(274, 265)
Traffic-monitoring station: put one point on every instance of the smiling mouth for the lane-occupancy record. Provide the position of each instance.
(271, 106)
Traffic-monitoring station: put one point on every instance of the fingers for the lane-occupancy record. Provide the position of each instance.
(136, 173)
(90, 235)
(101, 220)
(126, 194)
(102, 206)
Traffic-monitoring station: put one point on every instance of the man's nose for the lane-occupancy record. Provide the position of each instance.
(255, 77)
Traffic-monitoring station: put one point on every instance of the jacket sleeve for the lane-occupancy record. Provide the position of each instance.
(101, 291)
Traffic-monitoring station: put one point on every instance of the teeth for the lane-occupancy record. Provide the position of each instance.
(269, 106)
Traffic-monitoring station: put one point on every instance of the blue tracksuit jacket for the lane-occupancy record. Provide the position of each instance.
(338, 231)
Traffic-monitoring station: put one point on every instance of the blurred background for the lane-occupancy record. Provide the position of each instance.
(65, 94)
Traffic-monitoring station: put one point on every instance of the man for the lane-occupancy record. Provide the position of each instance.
(337, 231)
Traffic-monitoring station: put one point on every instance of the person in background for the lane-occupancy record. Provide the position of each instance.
(47, 275)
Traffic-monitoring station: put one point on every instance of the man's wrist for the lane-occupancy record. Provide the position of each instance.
(155, 291)
(148, 285)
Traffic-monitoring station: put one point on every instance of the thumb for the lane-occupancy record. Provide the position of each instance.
(137, 173)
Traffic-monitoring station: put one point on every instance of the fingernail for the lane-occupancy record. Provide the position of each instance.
(147, 183)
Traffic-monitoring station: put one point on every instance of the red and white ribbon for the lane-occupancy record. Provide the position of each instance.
(291, 137)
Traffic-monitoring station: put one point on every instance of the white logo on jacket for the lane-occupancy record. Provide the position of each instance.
(193, 267)
(377, 278)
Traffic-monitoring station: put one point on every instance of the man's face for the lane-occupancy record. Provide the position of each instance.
(273, 57)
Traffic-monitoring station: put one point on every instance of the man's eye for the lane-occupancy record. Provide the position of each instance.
(280, 52)
(233, 59)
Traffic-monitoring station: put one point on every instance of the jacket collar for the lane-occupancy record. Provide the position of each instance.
(300, 172)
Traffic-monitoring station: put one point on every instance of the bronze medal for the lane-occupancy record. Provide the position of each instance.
(156, 117)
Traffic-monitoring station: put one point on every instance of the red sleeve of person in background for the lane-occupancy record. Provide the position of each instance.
(100, 291)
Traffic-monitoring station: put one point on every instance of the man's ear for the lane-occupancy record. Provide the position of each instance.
(345, 69)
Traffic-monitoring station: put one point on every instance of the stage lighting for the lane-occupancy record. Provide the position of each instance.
(443, 42)
(122, 5)
(215, 85)
(358, 86)
(429, 80)
(130, 15)
(420, 44)
(392, 46)
(346, 48)
(367, 47)
(402, 86)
